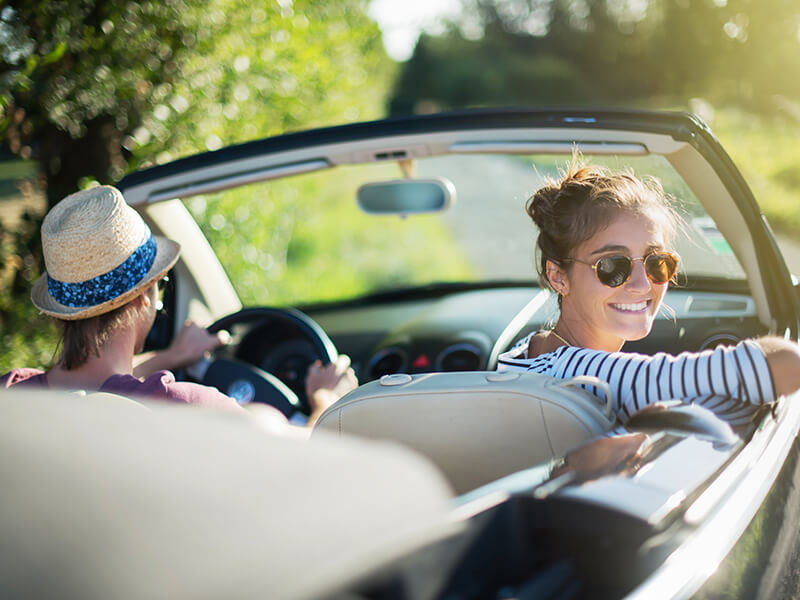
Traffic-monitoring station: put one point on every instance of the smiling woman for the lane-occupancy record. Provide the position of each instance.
(605, 249)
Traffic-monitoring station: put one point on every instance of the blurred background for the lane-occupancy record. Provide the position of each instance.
(93, 89)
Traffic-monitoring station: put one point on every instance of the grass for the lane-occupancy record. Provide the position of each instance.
(766, 151)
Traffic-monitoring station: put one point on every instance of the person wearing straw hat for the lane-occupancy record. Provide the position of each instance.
(103, 267)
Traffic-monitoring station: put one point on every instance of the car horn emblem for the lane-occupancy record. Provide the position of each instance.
(242, 391)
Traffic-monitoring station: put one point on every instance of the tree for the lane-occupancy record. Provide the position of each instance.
(80, 75)
(611, 52)
(91, 88)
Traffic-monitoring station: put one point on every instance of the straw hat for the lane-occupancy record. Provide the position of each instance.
(98, 255)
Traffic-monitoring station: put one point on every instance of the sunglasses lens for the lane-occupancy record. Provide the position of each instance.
(613, 271)
(660, 267)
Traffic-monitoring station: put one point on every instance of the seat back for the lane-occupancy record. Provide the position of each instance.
(175, 501)
(111, 398)
(475, 426)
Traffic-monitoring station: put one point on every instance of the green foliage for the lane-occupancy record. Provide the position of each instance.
(765, 149)
(94, 88)
(78, 75)
(601, 52)
(271, 68)
(451, 71)
(26, 339)
(91, 89)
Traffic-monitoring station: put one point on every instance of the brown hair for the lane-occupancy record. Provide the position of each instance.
(84, 337)
(584, 201)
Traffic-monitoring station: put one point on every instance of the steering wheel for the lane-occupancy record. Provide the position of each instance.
(247, 382)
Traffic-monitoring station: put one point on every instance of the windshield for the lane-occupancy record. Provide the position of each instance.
(303, 240)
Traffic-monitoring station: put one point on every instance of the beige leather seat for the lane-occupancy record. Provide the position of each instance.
(110, 398)
(475, 426)
(180, 502)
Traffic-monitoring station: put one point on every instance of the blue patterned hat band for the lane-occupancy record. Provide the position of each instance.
(109, 285)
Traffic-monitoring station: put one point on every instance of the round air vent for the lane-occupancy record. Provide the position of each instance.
(720, 339)
(387, 362)
(459, 357)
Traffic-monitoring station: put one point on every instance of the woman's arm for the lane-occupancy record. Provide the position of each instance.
(730, 380)
(783, 358)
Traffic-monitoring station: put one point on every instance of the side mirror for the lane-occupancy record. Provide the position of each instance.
(406, 196)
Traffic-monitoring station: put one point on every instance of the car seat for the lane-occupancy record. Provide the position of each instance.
(475, 426)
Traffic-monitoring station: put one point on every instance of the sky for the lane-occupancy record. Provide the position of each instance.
(401, 21)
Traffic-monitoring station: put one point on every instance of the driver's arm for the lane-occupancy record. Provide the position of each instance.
(189, 346)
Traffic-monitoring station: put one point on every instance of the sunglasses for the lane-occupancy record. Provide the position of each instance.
(616, 269)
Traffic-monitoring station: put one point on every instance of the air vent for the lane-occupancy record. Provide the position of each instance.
(387, 362)
(720, 339)
(394, 155)
(459, 357)
(716, 304)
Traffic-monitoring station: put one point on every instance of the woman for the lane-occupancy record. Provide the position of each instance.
(103, 267)
(605, 248)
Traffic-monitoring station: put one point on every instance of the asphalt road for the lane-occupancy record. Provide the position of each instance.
(494, 233)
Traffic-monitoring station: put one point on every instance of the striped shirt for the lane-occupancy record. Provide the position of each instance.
(731, 381)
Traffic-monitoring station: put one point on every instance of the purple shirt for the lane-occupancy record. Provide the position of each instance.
(161, 385)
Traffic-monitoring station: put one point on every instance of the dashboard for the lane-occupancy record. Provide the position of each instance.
(467, 330)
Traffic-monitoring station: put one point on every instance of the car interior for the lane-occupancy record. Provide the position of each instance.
(417, 312)
(438, 476)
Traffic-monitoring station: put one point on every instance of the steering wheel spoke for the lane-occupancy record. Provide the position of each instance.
(248, 381)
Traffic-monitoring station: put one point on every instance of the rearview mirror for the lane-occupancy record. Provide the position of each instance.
(406, 196)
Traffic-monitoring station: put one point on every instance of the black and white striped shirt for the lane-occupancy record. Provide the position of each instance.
(731, 381)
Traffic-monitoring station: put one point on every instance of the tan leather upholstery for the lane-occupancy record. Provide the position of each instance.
(475, 426)
(178, 502)
(110, 398)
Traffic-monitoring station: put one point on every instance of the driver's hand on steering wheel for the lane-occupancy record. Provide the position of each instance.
(326, 384)
(193, 342)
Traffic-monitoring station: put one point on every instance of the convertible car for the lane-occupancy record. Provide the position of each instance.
(404, 243)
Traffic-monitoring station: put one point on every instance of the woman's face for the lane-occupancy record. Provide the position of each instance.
(601, 317)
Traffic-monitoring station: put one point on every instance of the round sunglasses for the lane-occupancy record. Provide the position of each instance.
(616, 269)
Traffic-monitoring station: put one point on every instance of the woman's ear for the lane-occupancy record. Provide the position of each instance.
(557, 277)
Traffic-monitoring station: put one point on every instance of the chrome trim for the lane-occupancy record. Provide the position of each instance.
(550, 147)
(688, 568)
(223, 183)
